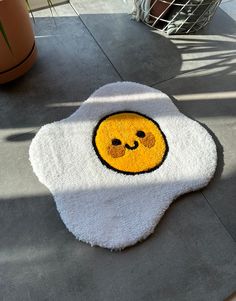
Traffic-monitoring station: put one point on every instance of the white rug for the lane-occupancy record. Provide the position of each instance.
(117, 163)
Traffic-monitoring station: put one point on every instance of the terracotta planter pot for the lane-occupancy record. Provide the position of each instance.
(18, 53)
(160, 7)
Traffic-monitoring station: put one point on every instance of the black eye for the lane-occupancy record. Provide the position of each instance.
(140, 134)
(116, 142)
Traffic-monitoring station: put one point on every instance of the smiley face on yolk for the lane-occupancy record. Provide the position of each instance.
(130, 143)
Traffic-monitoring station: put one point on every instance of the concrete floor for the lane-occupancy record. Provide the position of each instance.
(229, 6)
(192, 254)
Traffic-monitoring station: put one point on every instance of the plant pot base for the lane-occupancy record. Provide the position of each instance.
(20, 69)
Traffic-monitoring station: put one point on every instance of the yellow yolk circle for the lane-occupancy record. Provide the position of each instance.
(130, 143)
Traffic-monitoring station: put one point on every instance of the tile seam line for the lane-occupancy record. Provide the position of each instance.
(163, 81)
(219, 219)
(97, 43)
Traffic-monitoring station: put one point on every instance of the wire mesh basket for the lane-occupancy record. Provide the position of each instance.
(178, 16)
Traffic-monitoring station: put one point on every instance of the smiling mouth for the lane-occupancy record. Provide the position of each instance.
(132, 147)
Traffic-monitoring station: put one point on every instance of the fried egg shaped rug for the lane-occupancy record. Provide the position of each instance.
(118, 162)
